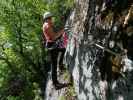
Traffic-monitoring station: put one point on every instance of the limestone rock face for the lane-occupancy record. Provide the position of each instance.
(94, 21)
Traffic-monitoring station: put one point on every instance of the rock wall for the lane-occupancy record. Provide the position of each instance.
(94, 21)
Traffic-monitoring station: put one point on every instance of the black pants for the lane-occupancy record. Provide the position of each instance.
(54, 53)
(54, 57)
(62, 50)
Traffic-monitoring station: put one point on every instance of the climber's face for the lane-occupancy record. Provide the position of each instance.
(50, 21)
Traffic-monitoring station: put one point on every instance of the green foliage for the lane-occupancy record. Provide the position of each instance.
(21, 53)
(13, 98)
(62, 98)
(69, 95)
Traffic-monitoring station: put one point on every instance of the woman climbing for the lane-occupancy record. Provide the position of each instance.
(53, 44)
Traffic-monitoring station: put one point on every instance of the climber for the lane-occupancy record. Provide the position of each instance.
(53, 44)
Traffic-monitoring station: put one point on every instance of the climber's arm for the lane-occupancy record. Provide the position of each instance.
(54, 35)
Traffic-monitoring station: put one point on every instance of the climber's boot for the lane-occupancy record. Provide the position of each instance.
(60, 85)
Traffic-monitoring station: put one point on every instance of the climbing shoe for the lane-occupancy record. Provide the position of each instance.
(60, 85)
